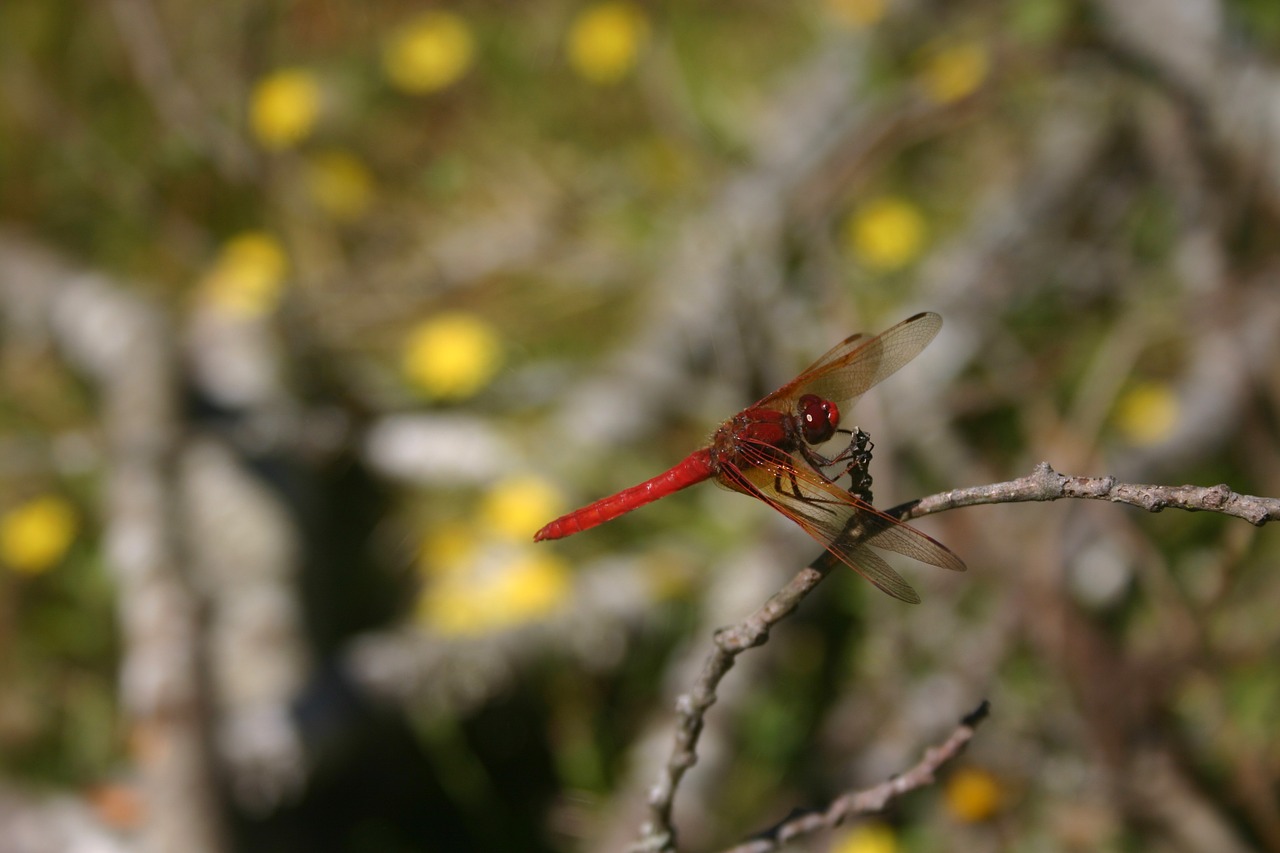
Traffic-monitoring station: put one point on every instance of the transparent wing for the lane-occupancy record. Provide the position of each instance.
(857, 363)
(847, 526)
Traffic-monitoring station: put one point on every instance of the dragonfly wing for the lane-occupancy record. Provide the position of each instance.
(857, 363)
(838, 352)
(872, 566)
(885, 531)
(845, 525)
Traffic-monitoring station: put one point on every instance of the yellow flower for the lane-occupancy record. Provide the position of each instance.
(283, 108)
(340, 184)
(247, 278)
(452, 355)
(446, 548)
(856, 13)
(531, 588)
(952, 71)
(429, 53)
(886, 234)
(973, 795)
(452, 608)
(525, 587)
(867, 838)
(516, 507)
(1147, 413)
(605, 40)
(36, 535)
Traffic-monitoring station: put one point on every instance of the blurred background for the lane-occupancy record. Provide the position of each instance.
(313, 312)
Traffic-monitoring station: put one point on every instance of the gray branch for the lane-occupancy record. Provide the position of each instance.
(1046, 484)
(1043, 484)
(874, 799)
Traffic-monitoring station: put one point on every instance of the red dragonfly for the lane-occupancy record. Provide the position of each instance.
(770, 451)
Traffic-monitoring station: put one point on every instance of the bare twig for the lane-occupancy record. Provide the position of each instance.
(1046, 484)
(1043, 484)
(873, 799)
(658, 833)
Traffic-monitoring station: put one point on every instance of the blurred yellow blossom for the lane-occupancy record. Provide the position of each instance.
(35, 536)
(452, 608)
(856, 13)
(526, 587)
(340, 184)
(283, 108)
(247, 278)
(452, 355)
(429, 53)
(447, 547)
(1147, 413)
(532, 588)
(952, 70)
(886, 233)
(516, 507)
(973, 795)
(605, 40)
(867, 838)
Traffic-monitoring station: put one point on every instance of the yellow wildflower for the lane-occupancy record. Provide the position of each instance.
(452, 355)
(527, 586)
(340, 184)
(429, 53)
(284, 107)
(953, 70)
(247, 278)
(516, 507)
(446, 548)
(35, 536)
(605, 40)
(867, 838)
(531, 588)
(973, 795)
(857, 14)
(452, 608)
(1147, 413)
(886, 234)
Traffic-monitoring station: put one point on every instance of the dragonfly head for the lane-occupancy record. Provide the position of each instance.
(818, 418)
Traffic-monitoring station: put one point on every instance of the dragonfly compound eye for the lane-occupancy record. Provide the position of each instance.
(818, 418)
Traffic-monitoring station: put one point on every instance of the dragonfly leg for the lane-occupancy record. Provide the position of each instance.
(792, 489)
(856, 459)
(793, 483)
(859, 467)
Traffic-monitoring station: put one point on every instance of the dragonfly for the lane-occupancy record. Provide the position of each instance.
(772, 451)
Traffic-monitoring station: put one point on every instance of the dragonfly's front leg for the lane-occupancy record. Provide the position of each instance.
(859, 467)
(857, 459)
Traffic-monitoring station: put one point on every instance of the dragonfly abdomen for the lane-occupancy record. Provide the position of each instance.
(695, 468)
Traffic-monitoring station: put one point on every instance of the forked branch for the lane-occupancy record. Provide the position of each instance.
(870, 800)
(1043, 484)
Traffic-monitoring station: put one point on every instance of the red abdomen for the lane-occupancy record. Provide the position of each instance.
(695, 468)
